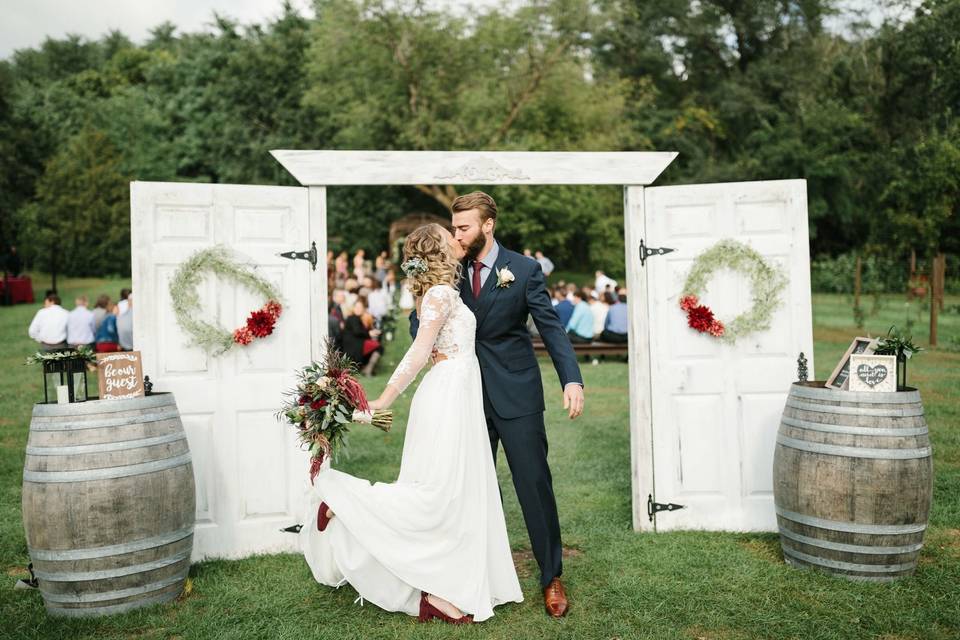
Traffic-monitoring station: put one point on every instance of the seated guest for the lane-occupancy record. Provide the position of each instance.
(100, 311)
(378, 299)
(49, 325)
(80, 324)
(124, 293)
(106, 338)
(599, 306)
(125, 326)
(615, 329)
(360, 340)
(563, 306)
(580, 325)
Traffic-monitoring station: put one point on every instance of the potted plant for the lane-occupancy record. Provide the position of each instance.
(897, 343)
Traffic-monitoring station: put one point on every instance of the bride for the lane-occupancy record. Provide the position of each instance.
(434, 543)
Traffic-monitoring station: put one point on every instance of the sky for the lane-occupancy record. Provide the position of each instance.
(25, 23)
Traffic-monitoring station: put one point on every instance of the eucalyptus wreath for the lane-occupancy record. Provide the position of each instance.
(210, 337)
(766, 283)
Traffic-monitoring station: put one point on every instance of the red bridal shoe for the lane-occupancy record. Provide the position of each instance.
(322, 519)
(429, 612)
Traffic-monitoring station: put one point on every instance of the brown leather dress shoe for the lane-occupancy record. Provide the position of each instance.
(555, 599)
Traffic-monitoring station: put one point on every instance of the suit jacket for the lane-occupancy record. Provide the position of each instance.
(512, 386)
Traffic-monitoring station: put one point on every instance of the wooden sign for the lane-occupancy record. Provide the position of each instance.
(873, 373)
(840, 378)
(120, 375)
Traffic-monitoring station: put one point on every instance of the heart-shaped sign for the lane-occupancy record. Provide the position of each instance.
(872, 376)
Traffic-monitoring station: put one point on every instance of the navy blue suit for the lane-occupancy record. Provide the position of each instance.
(513, 390)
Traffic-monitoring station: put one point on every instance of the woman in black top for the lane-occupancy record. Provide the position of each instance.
(359, 342)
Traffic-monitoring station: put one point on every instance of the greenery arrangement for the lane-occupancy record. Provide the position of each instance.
(82, 352)
(210, 337)
(897, 343)
(766, 283)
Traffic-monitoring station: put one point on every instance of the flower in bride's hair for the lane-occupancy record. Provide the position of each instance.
(414, 266)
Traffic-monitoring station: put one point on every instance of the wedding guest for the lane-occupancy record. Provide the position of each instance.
(352, 292)
(100, 311)
(563, 307)
(599, 306)
(571, 288)
(527, 253)
(122, 304)
(390, 282)
(341, 264)
(13, 265)
(125, 326)
(603, 281)
(80, 324)
(615, 328)
(359, 263)
(382, 263)
(580, 325)
(378, 299)
(545, 263)
(106, 337)
(335, 324)
(406, 298)
(49, 325)
(360, 340)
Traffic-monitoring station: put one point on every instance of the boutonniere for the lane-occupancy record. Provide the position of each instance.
(505, 278)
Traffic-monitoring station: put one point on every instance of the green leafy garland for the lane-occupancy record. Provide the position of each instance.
(766, 284)
(220, 261)
(83, 352)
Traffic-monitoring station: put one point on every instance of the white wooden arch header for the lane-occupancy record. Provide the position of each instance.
(329, 168)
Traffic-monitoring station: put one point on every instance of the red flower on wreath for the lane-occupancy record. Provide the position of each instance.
(700, 317)
(260, 323)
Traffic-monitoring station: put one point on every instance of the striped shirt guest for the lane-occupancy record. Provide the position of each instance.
(49, 325)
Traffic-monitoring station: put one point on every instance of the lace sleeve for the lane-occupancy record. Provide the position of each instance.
(434, 311)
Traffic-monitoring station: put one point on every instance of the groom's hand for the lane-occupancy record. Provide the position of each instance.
(573, 399)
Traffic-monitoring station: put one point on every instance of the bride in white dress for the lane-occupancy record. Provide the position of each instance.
(433, 543)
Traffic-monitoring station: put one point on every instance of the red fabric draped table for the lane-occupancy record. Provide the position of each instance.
(21, 289)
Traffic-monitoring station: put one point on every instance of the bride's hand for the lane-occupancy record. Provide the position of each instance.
(377, 404)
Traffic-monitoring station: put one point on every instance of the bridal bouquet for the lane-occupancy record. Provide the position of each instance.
(325, 401)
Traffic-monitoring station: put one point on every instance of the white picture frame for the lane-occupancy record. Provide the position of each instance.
(873, 373)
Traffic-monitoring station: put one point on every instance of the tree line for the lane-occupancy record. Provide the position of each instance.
(744, 90)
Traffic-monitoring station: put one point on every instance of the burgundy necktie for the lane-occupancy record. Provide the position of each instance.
(477, 266)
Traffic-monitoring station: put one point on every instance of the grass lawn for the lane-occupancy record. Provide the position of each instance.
(690, 585)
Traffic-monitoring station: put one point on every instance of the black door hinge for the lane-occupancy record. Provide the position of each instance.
(654, 508)
(646, 252)
(309, 255)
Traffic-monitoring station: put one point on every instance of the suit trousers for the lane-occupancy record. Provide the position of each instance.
(525, 445)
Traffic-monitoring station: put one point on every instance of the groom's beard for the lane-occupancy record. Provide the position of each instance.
(475, 247)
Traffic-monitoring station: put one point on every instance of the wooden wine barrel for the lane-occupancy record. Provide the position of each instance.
(108, 504)
(852, 480)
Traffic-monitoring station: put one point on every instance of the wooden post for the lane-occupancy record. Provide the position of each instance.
(942, 276)
(856, 282)
(934, 303)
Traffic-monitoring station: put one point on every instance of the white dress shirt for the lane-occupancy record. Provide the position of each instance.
(80, 324)
(50, 325)
(489, 262)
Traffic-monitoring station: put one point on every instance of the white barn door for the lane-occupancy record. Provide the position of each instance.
(250, 475)
(715, 408)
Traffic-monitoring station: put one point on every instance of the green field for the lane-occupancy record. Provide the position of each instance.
(690, 585)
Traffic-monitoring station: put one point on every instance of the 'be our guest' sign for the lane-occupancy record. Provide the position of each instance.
(120, 375)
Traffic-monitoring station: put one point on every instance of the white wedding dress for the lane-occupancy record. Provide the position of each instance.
(439, 528)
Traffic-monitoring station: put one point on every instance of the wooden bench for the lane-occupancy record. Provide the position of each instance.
(587, 350)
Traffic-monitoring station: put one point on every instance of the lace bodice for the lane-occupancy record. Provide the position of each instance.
(446, 324)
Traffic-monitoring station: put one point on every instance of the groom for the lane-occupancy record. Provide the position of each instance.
(502, 287)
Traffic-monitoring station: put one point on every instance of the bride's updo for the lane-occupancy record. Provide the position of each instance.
(428, 260)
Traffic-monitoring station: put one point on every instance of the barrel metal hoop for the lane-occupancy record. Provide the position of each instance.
(121, 445)
(853, 452)
(846, 576)
(872, 397)
(105, 596)
(856, 431)
(83, 612)
(76, 576)
(848, 566)
(851, 527)
(144, 418)
(852, 548)
(856, 411)
(107, 473)
(92, 407)
(113, 549)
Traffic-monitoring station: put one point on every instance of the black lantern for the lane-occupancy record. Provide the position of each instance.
(69, 371)
(901, 370)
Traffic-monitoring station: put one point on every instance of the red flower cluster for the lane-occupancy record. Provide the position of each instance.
(700, 317)
(260, 323)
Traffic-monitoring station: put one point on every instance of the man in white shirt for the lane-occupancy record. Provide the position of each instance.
(125, 326)
(122, 305)
(80, 324)
(545, 263)
(49, 326)
(602, 282)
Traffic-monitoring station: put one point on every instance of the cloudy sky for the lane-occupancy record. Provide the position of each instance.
(25, 23)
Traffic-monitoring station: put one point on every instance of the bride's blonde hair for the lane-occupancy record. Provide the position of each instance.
(428, 260)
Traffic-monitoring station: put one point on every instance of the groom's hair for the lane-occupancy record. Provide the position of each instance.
(476, 200)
